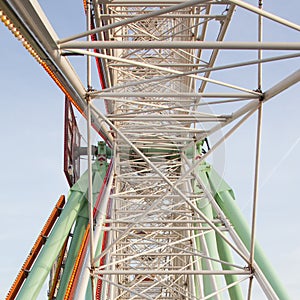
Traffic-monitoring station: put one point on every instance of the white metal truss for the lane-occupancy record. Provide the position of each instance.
(157, 61)
(154, 61)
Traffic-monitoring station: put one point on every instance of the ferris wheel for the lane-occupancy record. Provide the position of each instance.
(165, 85)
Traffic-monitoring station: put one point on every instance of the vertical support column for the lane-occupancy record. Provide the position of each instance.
(255, 193)
(257, 157)
(90, 184)
(260, 39)
(90, 179)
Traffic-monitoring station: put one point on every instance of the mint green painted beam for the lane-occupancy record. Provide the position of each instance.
(76, 241)
(211, 283)
(83, 287)
(225, 199)
(45, 260)
(50, 251)
(235, 292)
(197, 280)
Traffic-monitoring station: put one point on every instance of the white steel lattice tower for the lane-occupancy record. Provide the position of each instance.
(158, 246)
(167, 226)
(168, 238)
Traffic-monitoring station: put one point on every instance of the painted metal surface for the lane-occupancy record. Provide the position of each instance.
(59, 233)
(41, 240)
(165, 225)
(225, 198)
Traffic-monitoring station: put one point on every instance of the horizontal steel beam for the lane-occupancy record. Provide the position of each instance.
(193, 221)
(181, 45)
(159, 130)
(103, 94)
(183, 118)
(160, 254)
(171, 272)
(161, 229)
(176, 15)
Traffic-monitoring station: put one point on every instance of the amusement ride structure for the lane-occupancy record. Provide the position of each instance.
(151, 218)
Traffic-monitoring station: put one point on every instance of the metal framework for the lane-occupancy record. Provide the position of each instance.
(167, 226)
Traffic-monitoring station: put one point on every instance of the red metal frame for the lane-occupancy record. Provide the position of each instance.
(71, 143)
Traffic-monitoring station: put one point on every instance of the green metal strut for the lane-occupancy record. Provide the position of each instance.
(225, 198)
(45, 260)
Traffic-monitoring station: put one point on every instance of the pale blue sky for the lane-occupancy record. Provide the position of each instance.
(31, 157)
